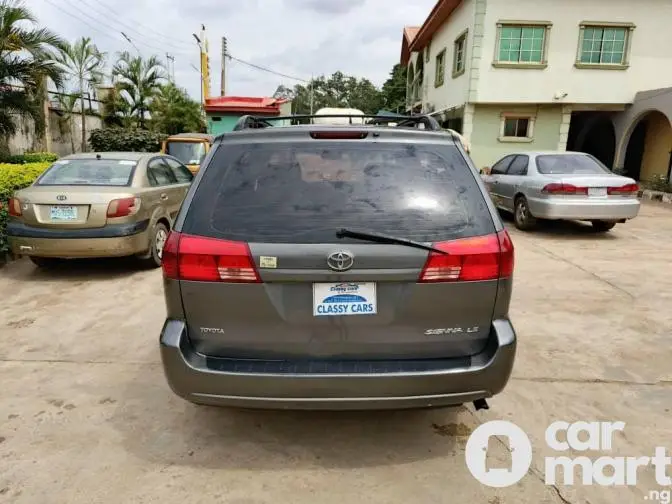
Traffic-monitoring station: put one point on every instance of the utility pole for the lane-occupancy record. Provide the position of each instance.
(171, 74)
(222, 87)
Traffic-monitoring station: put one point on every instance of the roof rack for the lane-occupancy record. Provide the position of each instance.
(254, 122)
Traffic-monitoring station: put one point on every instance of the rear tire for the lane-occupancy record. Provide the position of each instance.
(45, 262)
(602, 226)
(157, 241)
(522, 217)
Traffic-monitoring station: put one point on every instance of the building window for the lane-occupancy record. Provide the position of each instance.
(516, 128)
(440, 68)
(460, 55)
(427, 51)
(604, 45)
(521, 44)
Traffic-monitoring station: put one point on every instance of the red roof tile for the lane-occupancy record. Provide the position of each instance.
(244, 104)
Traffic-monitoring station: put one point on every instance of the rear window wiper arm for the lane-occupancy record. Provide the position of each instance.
(383, 238)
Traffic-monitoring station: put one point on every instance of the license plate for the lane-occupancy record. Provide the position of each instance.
(344, 298)
(597, 192)
(63, 212)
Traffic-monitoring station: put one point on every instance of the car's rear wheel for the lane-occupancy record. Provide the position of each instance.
(45, 262)
(157, 241)
(602, 226)
(522, 217)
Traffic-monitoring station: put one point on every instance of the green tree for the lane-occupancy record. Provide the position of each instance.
(394, 89)
(339, 90)
(174, 112)
(139, 81)
(115, 111)
(83, 63)
(67, 103)
(25, 64)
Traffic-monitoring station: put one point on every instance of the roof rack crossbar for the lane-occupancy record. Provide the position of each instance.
(253, 122)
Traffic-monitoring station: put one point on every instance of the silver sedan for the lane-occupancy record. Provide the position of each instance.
(561, 185)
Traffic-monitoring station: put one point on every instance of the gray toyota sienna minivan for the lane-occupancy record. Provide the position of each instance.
(338, 267)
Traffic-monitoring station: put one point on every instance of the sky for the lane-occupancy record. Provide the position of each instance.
(298, 38)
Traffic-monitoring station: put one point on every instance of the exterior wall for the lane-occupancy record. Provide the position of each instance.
(486, 148)
(225, 123)
(625, 122)
(648, 57)
(455, 91)
(657, 147)
(62, 132)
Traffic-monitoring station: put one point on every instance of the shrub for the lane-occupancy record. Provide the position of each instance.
(125, 140)
(12, 178)
(658, 183)
(32, 157)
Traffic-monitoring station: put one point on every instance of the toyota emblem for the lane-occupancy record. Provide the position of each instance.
(340, 261)
(61, 197)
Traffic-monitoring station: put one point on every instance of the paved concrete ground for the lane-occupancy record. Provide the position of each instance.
(86, 417)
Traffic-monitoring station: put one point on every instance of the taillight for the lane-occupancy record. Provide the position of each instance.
(195, 258)
(626, 190)
(169, 256)
(14, 207)
(339, 135)
(123, 207)
(559, 188)
(470, 259)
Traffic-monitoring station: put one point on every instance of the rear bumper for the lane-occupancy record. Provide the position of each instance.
(200, 379)
(109, 241)
(607, 209)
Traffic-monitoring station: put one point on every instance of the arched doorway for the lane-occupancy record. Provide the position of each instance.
(649, 150)
(593, 133)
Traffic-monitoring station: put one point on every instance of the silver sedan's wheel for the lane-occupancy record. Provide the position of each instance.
(522, 217)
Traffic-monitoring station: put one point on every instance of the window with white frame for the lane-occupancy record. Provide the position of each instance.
(522, 43)
(604, 44)
(516, 128)
(459, 54)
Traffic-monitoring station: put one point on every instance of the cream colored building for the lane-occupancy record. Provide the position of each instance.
(539, 74)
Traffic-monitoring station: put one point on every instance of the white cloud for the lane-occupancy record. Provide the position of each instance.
(295, 37)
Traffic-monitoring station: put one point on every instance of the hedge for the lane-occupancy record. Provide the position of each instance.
(125, 140)
(12, 178)
(31, 157)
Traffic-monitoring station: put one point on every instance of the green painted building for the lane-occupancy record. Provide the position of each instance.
(222, 112)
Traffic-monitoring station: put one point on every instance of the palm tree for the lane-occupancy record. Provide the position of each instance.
(83, 62)
(139, 80)
(68, 103)
(25, 64)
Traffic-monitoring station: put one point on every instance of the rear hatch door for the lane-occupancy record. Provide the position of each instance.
(321, 296)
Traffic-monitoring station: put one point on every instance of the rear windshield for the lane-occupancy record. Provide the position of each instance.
(97, 172)
(567, 164)
(306, 191)
(187, 152)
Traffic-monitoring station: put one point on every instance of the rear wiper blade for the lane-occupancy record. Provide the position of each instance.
(382, 238)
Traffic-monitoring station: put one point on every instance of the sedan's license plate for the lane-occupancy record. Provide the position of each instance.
(597, 192)
(62, 212)
(344, 298)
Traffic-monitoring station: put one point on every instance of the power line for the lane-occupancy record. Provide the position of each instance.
(132, 28)
(264, 69)
(81, 19)
(114, 29)
(144, 26)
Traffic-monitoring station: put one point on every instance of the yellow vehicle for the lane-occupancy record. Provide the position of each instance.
(190, 148)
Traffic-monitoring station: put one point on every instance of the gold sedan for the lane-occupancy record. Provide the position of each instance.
(108, 204)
